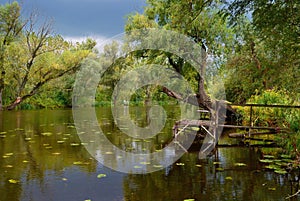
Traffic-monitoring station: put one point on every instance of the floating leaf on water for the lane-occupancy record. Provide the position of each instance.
(19, 129)
(108, 152)
(136, 140)
(157, 166)
(56, 153)
(287, 160)
(84, 143)
(46, 134)
(70, 126)
(198, 165)
(67, 134)
(228, 178)
(219, 169)
(119, 157)
(8, 166)
(3, 132)
(266, 161)
(282, 163)
(195, 128)
(272, 189)
(48, 147)
(189, 200)
(88, 200)
(240, 164)
(286, 156)
(5, 156)
(137, 167)
(280, 171)
(60, 141)
(180, 164)
(145, 163)
(75, 144)
(13, 181)
(25, 161)
(216, 163)
(78, 163)
(272, 167)
(2, 136)
(99, 176)
(269, 156)
(158, 150)
(64, 179)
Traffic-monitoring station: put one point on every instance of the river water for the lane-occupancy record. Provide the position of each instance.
(42, 158)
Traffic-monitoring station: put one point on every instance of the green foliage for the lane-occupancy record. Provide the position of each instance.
(270, 116)
(288, 118)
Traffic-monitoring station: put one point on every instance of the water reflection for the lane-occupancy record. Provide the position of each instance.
(42, 158)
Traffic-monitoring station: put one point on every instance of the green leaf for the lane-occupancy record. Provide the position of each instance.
(99, 176)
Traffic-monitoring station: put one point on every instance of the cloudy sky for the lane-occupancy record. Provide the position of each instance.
(76, 19)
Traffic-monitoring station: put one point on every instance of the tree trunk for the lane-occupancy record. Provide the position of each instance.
(15, 103)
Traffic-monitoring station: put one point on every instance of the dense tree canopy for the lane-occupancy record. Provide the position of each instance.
(252, 45)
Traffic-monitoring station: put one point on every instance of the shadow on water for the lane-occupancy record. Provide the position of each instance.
(42, 158)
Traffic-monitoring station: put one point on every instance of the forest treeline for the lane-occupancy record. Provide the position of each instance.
(253, 46)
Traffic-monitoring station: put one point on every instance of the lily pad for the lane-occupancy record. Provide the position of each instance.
(269, 156)
(198, 165)
(180, 164)
(78, 163)
(75, 144)
(240, 164)
(280, 171)
(99, 176)
(286, 156)
(219, 169)
(272, 167)
(216, 163)
(189, 200)
(137, 167)
(46, 134)
(157, 166)
(195, 128)
(266, 161)
(228, 178)
(13, 181)
(145, 163)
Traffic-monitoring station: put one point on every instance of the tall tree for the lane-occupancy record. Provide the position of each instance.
(197, 19)
(11, 26)
(268, 49)
(34, 56)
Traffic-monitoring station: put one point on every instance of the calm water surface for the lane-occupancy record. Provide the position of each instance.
(42, 158)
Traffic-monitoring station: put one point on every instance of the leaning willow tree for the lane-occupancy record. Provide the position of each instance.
(202, 22)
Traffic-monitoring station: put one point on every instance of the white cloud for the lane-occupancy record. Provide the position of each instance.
(101, 40)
